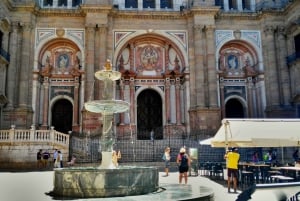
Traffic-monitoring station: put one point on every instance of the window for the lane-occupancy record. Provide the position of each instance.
(166, 4)
(219, 3)
(76, 3)
(62, 3)
(149, 4)
(246, 4)
(48, 3)
(232, 4)
(131, 4)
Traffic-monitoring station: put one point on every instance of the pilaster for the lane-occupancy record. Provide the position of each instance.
(25, 66)
(90, 60)
(199, 68)
(270, 66)
(211, 69)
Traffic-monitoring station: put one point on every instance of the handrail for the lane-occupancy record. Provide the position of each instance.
(32, 135)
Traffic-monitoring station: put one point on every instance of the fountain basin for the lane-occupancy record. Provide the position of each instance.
(92, 182)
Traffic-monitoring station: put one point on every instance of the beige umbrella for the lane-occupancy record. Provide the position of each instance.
(258, 133)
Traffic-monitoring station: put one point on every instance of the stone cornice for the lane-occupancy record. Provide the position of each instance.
(144, 14)
(59, 12)
(237, 16)
(212, 10)
(96, 8)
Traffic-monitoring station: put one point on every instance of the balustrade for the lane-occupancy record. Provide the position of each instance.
(32, 135)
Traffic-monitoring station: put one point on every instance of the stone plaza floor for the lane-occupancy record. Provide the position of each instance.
(35, 185)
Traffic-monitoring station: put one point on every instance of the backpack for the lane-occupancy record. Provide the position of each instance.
(184, 161)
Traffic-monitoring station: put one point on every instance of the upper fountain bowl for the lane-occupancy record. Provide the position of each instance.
(108, 74)
(107, 106)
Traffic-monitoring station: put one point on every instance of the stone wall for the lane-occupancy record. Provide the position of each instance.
(23, 155)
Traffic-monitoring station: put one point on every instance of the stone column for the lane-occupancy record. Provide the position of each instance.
(222, 99)
(167, 99)
(45, 102)
(131, 57)
(122, 98)
(239, 6)
(250, 97)
(285, 93)
(140, 4)
(167, 46)
(211, 68)
(132, 100)
(178, 100)
(270, 67)
(69, 4)
(157, 5)
(12, 75)
(252, 5)
(76, 104)
(25, 69)
(199, 77)
(226, 5)
(90, 59)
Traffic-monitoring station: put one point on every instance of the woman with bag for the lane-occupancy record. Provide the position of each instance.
(167, 157)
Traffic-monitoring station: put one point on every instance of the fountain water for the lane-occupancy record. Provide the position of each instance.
(105, 180)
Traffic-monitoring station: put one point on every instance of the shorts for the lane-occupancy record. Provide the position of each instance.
(167, 164)
(232, 172)
(183, 169)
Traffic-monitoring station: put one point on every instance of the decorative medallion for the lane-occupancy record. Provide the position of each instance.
(60, 32)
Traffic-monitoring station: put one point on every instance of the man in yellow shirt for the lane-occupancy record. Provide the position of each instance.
(232, 158)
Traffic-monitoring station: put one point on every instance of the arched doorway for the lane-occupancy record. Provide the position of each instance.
(149, 115)
(62, 115)
(234, 109)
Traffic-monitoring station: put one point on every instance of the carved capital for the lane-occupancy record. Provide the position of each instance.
(269, 30)
(281, 31)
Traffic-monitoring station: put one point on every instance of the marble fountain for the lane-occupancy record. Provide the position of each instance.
(108, 181)
(105, 180)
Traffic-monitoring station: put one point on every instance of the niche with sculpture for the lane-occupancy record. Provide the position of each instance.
(236, 60)
(60, 60)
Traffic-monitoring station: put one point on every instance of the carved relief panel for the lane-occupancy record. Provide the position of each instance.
(149, 56)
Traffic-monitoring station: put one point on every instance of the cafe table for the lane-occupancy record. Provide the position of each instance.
(260, 170)
(291, 171)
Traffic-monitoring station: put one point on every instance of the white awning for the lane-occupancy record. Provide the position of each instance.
(258, 133)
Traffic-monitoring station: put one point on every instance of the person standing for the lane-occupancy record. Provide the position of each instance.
(167, 158)
(296, 155)
(183, 162)
(46, 156)
(232, 158)
(61, 159)
(55, 153)
(39, 159)
(57, 160)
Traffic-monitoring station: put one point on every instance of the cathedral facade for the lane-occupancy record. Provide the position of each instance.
(185, 64)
